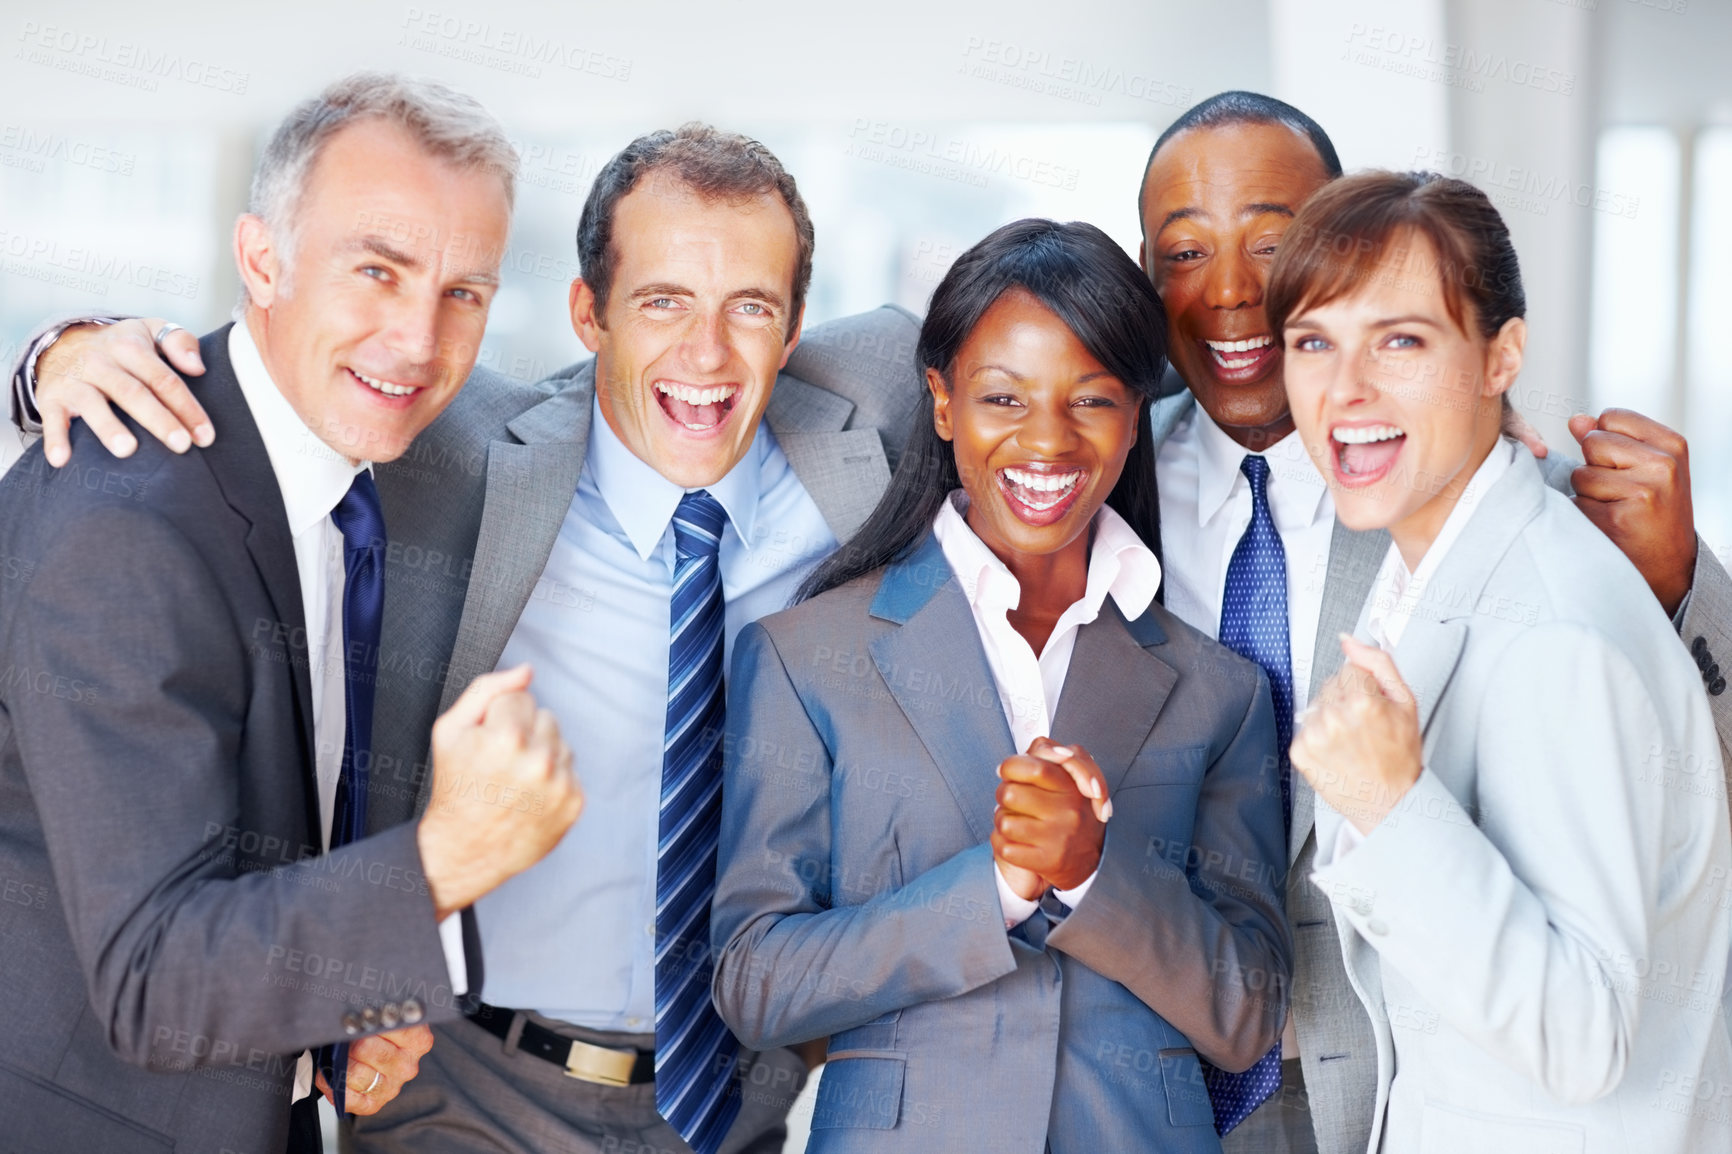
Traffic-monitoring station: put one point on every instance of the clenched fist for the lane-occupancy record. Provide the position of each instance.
(503, 790)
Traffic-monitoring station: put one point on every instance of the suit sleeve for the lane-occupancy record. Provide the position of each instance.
(1709, 616)
(1202, 940)
(133, 774)
(1532, 932)
(789, 965)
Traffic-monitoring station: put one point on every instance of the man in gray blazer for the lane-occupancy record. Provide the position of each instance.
(183, 719)
(536, 522)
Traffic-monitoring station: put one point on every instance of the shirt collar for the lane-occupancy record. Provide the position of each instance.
(1119, 564)
(312, 477)
(643, 501)
(1297, 495)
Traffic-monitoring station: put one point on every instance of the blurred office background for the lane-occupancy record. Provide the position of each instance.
(1603, 129)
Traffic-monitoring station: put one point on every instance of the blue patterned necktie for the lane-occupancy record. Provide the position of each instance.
(362, 523)
(1254, 625)
(695, 1052)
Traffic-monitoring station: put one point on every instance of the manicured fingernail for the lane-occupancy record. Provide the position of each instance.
(122, 445)
(1106, 811)
(179, 441)
(57, 456)
(204, 435)
(1095, 788)
(1064, 751)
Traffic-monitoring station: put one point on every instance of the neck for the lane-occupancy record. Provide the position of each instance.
(1050, 584)
(1415, 534)
(1260, 438)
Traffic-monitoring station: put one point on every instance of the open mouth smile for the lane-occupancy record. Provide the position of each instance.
(1365, 453)
(697, 408)
(1239, 361)
(383, 388)
(1040, 494)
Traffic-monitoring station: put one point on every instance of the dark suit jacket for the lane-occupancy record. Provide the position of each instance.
(172, 939)
(856, 896)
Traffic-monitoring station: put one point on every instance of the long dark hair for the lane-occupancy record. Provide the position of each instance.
(1088, 281)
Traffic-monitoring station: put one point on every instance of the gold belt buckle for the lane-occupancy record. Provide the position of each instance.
(600, 1064)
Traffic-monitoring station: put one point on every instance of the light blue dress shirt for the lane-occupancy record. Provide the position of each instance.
(573, 937)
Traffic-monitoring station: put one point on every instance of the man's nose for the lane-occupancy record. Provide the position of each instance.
(707, 346)
(1234, 281)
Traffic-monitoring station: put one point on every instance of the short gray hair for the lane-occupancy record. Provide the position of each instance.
(446, 123)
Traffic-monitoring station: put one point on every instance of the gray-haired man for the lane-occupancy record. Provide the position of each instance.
(190, 649)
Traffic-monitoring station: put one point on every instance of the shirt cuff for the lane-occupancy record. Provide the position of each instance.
(1016, 908)
(1683, 608)
(1347, 839)
(1071, 897)
(25, 415)
(303, 1076)
(451, 937)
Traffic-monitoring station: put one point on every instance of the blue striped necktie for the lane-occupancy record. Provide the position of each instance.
(1254, 625)
(362, 523)
(695, 1052)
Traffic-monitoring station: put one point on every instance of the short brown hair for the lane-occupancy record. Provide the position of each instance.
(714, 164)
(1345, 231)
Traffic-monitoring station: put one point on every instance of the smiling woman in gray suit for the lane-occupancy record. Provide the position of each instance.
(1525, 840)
(994, 821)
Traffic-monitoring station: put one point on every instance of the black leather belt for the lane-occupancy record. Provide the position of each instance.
(590, 1063)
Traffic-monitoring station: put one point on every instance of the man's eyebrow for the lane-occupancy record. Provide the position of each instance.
(1179, 214)
(382, 248)
(768, 296)
(1266, 208)
(661, 289)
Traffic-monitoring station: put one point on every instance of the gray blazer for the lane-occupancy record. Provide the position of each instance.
(172, 938)
(1539, 928)
(476, 504)
(856, 895)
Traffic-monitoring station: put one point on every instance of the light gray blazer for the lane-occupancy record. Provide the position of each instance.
(856, 895)
(1539, 929)
(475, 506)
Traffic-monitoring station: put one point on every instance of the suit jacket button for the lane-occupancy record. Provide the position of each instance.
(1377, 926)
(390, 1015)
(351, 1024)
(1710, 673)
(412, 1012)
(1719, 687)
(370, 1017)
(1361, 906)
(1699, 648)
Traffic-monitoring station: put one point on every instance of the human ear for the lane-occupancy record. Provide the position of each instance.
(940, 391)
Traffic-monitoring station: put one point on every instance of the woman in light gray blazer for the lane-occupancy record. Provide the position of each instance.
(1525, 842)
(1012, 944)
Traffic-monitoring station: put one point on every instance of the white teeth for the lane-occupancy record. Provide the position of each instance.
(1366, 434)
(385, 387)
(692, 395)
(1243, 346)
(1045, 482)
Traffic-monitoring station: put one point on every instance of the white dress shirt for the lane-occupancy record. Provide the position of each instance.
(573, 937)
(313, 479)
(1396, 592)
(1029, 685)
(1205, 509)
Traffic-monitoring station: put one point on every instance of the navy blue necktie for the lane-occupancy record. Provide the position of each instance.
(695, 1051)
(1254, 625)
(362, 523)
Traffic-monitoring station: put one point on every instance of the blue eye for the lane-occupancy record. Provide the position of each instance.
(1311, 344)
(1404, 341)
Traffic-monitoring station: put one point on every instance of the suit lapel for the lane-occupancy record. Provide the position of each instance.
(844, 471)
(1354, 558)
(937, 673)
(530, 483)
(242, 469)
(1114, 690)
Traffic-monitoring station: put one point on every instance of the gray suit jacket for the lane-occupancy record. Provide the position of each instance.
(1539, 926)
(172, 939)
(474, 507)
(857, 899)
